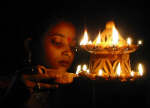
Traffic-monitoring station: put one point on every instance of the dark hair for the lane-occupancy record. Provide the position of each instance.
(45, 24)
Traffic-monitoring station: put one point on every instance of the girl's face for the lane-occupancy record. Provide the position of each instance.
(58, 44)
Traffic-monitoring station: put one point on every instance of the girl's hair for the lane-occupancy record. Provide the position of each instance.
(47, 23)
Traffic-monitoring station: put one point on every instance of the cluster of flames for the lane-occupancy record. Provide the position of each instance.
(116, 39)
(102, 42)
(84, 69)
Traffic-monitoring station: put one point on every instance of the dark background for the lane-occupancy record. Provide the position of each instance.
(131, 18)
(19, 19)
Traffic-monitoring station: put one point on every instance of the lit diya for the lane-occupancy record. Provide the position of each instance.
(110, 55)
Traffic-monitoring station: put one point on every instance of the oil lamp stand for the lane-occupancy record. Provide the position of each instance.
(109, 62)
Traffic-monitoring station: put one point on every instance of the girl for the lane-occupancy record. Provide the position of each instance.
(53, 53)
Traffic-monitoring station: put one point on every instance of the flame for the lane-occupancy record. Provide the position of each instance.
(84, 67)
(88, 71)
(109, 37)
(115, 36)
(132, 73)
(78, 69)
(118, 69)
(84, 41)
(129, 41)
(139, 42)
(90, 42)
(140, 68)
(98, 39)
(100, 72)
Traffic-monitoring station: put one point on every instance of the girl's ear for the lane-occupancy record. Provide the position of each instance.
(27, 44)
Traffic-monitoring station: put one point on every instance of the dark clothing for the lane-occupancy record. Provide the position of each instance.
(82, 91)
(64, 96)
(79, 92)
(16, 97)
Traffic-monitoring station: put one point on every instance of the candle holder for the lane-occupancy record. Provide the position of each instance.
(107, 55)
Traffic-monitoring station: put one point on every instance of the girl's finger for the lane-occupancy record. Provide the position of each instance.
(31, 84)
(42, 69)
(43, 85)
(35, 77)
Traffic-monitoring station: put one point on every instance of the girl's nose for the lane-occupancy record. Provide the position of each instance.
(67, 52)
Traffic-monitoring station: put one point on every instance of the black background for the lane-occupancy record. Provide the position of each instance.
(19, 18)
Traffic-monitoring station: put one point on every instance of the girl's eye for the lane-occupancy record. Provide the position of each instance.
(57, 42)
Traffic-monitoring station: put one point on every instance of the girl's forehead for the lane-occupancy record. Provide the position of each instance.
(63, 30)
(63, 37)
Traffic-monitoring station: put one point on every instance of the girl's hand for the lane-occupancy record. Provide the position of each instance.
(58, 75)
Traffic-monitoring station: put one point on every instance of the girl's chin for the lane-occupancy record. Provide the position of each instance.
(63, 69)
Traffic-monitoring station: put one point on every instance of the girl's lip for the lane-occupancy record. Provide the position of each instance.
(64, 63)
